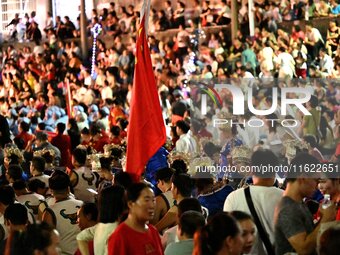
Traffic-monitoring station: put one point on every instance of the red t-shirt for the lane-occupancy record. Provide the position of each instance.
(337, 151)
(127, 241)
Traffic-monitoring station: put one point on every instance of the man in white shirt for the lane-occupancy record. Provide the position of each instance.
(326, 62)
(186, 142)
(286, 64)
(264, 196)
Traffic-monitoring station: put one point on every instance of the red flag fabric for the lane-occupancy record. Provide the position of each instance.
(146, 130)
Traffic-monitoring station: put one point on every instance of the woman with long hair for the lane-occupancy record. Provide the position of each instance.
(222, 235)
(112, 205)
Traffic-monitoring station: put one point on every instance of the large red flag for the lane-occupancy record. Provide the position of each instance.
(146, 130)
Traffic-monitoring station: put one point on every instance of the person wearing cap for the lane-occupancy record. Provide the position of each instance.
(42, 142)
(62, 215)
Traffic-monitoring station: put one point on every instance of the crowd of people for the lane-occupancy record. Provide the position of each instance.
(63, 140)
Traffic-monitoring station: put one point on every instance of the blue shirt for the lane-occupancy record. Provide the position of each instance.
(226, 149)
(214, 201)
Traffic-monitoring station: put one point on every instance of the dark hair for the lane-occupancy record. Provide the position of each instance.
(112, 204)
(95, 129)
(310, 139)
(19, 185)
(264, 157)
(24, 126)
(183, 125)
(15, 172)
(123, 123)
(314, 101)
(190, 222)
(189, 204)
(85, 131)
(179, 166)
(115, 130)
(210, 239)
(38, 163)
(61, 127)
(202, 183)
(4, 131)
(240, 216)
(116, 153)
(41, 136)
(123, 178)
(16, 214)
(105, 163)
(183, 183)
(37, 237)
(164, 174)
(90, 209)
(135, 190)
(329, 241)
(49, 158)
(80, 155)
(7, 195)
(73, 124)
(42, 125)
(299, 162)
(13, 159)
(59, 181)
(19, 142)
(35, 184)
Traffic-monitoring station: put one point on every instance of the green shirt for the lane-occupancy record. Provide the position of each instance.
(312, 123)
(184, 247)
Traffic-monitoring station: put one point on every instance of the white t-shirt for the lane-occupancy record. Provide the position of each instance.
(265, 200)
(169, 236)
(86, 179)
(32, 202)
(267, 54)
(44, 178)
(186, 144)
(65, 215)
(287, 62)
(100, 234)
